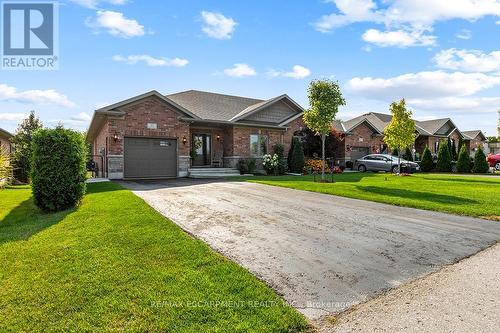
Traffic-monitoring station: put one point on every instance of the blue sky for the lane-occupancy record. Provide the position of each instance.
(445, 59)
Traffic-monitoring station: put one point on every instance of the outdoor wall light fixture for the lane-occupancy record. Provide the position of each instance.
(115, 137)
(184, 140)
(218, 137)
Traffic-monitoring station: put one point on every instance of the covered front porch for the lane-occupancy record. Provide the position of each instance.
(207, 146)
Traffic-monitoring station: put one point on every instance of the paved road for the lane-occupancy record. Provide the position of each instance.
(322, 253)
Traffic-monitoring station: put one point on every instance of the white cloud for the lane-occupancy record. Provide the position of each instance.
(94, 3)
(50, 96)
(12, 116)
(351, 11)
(432, 91)
(468, 60)
(116, 24)
(240, 70)
(297, 72)
(464, 104)
(81, 117)
(423, 85)
(464, 34)
(398, 38)
(407, 15)
(217, 26)
(151, 61)
(497, 22)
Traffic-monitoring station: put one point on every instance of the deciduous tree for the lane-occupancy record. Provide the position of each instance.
(400, 132)
(325, 98)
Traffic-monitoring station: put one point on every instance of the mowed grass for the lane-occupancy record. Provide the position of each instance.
(114, 264)
(464, 195)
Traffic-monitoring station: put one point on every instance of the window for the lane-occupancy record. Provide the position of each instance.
(258, 145)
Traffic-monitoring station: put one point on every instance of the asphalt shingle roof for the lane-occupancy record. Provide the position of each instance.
(381, 120)
(5, 133)
(471, 134)
(213, 106)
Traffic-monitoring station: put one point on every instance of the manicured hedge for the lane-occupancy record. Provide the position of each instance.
(58, 168)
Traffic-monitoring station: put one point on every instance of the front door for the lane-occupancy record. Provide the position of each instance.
(202, 144)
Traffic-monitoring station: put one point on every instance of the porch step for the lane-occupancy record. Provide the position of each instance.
(212, 172)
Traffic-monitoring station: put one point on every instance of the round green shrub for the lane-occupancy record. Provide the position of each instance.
(426, 164)
(58, 168)
(463, 163)
(480, 163)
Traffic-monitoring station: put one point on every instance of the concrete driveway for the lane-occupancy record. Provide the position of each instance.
(322, 253)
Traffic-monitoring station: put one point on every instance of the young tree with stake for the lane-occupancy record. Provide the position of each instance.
(400, 133)
(324, 101)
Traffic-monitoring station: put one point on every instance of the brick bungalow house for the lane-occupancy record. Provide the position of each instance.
(5, 144)
(365, 135)
(473, 139)
(153, 135)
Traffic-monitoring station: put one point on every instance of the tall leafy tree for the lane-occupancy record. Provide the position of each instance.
(325, 98)
(22, 146)
(400, 132)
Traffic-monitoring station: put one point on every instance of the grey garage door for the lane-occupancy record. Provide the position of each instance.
(358, 152)
(150, 158)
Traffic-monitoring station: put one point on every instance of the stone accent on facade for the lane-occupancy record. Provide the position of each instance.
(115, 166)
(184, 162)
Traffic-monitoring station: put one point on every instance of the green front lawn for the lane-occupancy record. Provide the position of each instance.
(465, 195)
(114, 264)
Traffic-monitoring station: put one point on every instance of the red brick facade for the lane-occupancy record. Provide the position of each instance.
(363, 136)
(137, 116)
(229, 142)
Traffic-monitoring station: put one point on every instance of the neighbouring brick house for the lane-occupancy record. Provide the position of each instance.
(5, 144)
(158, 136)
(365, 135)
(475, 139)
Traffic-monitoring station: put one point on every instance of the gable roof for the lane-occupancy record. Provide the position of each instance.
(116, 106)
(202, 106)
(5, 134)
(380, 120)
(221, 107)
(212, 106)
(471, 135)
(372, 119)
(432, 126)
